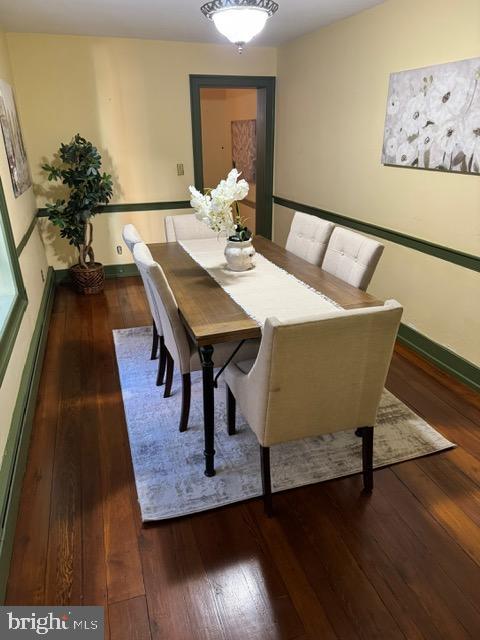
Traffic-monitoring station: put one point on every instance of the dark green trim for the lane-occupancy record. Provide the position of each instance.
(16, 449)
(121, 270)
(450, 362)
(111, 271)
(265, 136)
(443, 358)
(9, 332)
(137, 206)
(459, 258)
(23, 242)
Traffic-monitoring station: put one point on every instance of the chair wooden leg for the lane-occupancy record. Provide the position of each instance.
(168, 382)
(231, 412)
(162, 361)
(153, 355)
(186, 394)
(366, 433)
(266, 480)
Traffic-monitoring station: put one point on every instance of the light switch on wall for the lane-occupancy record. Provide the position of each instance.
(180, 170)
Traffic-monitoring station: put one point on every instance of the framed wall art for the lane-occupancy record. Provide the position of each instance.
(433, 118)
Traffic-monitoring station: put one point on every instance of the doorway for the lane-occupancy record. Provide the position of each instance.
(233, 126)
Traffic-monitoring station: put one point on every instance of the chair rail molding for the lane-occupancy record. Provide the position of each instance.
(466, 260)
(133, 207)
(28, 234)
(455, 365)
(460, 258)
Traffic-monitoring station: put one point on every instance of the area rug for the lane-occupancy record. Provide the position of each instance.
(168, 465)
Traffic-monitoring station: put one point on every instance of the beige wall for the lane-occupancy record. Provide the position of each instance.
(131, 97)
(32, 262)
(332, 90)
(216, 147)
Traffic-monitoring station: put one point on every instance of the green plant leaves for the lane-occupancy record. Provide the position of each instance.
(79, 170)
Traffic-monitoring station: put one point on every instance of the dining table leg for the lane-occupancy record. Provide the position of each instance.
(206, 353)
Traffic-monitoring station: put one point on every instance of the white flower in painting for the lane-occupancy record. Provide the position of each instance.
(393, 104)
(414, 117)
(424, 142)
(436, 156)
(391, 146)
(425, 139)
(472, 138)
(398, 131)
(406, 154)
(449, 134)
(447, 97)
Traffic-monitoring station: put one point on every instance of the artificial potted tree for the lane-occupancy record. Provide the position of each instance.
(79, 169)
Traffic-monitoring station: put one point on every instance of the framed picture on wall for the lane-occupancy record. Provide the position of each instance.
(12, 137)
(244, 148)
(433, 118)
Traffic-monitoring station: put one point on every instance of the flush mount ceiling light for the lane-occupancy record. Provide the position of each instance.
(239, 20)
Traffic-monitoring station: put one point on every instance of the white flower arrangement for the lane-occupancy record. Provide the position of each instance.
(215, 207)
(433, 118)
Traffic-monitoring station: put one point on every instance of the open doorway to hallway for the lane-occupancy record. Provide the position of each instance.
(229, 139)
(233, 126)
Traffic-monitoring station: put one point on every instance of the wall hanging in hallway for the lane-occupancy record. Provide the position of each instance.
(244, 148)
(433, 118)
(12, 137)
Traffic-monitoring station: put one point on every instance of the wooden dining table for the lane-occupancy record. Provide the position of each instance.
(211, 316)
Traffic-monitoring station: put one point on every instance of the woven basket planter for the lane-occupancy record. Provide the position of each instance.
(88, 281)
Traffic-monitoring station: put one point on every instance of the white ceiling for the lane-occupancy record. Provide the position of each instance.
(165, 19)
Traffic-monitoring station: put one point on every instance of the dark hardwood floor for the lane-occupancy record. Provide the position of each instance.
(403, 563)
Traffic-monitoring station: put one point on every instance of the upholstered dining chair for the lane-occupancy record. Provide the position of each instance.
(180, 350)
(315, 376)
(352, 257)
(308, 237)
(186, 227)
(131, 237)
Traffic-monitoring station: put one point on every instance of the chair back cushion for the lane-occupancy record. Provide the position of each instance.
(308, 237)
(186, 227)
(131, 236)
(352, 257)
(320, 375)
(164, 306)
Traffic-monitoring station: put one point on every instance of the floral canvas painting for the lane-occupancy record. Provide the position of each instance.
(12, 137)
(433, 118)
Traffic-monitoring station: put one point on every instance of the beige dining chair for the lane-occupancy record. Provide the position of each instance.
(179, 348)
(131, 237)
(352, 257)
(315, 376)
(308, 237)
(186, 227)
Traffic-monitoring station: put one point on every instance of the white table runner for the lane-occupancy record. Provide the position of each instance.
(263, 292)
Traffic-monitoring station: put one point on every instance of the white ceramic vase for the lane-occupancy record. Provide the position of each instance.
(239, 255)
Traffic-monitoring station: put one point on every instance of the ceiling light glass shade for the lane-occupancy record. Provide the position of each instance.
(239, 20)
(240, 24)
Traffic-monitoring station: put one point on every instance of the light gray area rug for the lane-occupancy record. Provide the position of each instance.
(169, 465)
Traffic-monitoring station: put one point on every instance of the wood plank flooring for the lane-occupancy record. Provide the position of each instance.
(403, 563)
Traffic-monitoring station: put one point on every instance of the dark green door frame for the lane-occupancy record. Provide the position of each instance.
(265, 136)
